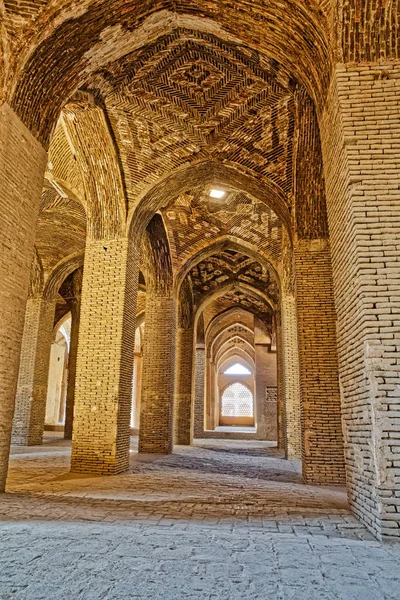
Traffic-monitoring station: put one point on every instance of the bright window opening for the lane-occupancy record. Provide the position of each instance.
(217, 194)
(237, 369)
(237, 401)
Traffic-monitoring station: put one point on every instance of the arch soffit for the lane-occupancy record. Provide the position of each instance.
(245, 288)
(225, 334)
(227, 243)
(303, 47)
(221, 317)
(228, 341)
(234, 355)
(203, 173)
(213, 339)
(60, 272)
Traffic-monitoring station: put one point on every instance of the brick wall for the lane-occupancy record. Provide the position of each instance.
(322, 447)
(31, 397)
(360, 134)
(22, 164)
(103, 393)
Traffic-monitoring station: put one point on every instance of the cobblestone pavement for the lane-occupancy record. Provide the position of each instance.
(223, 520)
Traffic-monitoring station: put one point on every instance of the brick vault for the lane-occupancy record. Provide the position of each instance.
(190, 186)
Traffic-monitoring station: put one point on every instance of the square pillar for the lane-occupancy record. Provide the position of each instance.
(157, 399)
(360, 132)
(22, 166)
(291, 377)
(103, 389)
(183, 389)
(199, 390)
(31, 397)
(322, 447)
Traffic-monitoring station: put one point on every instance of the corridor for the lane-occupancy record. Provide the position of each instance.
(192, 524)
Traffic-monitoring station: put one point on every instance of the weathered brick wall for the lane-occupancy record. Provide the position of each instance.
(30, 400)
(20, 190)
(322, 447)
(291, 377)
(103, 392)
(360, 135)
(199, 390)
(183, 406)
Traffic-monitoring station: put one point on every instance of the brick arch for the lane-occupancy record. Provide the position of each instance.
(215, 343)
(239, 353)
(156, 258)
(223, 315)
(223, 348)
(232, 286)
(226, 243)
(60, 272)
(208, 171)
(36, 282)
(74, 42)
(213, 339)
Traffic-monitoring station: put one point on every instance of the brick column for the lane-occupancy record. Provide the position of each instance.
(199, 390)
(30, 401)
(103, 390)
(73, 352)
(156, 411)
(22, 164)
(291, 378)
(183, 387)
(280, 389)
(322, 448)
(361, 148)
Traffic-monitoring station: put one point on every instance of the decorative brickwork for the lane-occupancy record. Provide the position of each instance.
(103, 393)
(360, 133)
(30, 401)
(322, 444)
(20, 190)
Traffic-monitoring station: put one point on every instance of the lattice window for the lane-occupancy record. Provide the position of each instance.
(237, 401)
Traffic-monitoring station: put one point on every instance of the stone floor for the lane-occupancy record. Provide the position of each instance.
(221, 520)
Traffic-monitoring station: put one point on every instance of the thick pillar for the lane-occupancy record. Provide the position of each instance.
(156, 411)
(22, 165)
(291, 378)
(73, 352)
(31, 396)
(360, 132)
(103, 390)
(322, 450)
(183, 387)
(199, 390)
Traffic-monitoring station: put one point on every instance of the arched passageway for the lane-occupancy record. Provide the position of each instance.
(224, 174)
